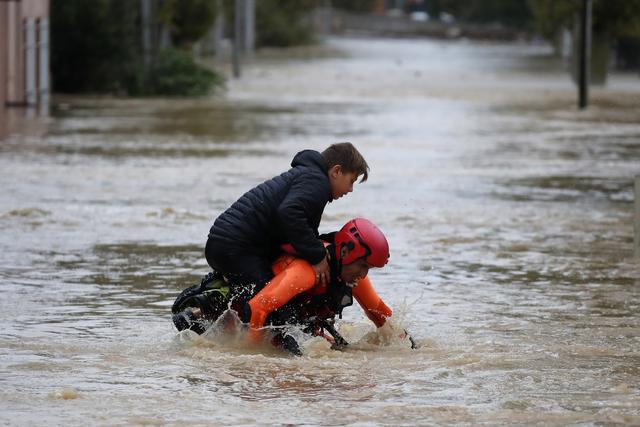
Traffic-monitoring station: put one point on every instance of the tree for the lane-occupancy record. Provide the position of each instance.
(356, 6)
(96, 48)
(187, 20)
(612, 19)
(511, 13)
(94, 45)
(550, 16)
(282, 22)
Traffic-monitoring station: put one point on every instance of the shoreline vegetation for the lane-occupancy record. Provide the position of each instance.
(160, 54)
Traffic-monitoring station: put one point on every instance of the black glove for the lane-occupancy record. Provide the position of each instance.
(291, 345)
(414, 345)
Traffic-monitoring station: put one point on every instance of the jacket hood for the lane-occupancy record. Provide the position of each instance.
(310, 158)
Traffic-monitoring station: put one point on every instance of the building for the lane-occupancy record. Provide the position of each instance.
(24, 53)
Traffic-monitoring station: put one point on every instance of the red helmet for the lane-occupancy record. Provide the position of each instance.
(364, 240)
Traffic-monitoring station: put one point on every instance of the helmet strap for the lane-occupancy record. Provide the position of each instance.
(345, 248)
(335, 262)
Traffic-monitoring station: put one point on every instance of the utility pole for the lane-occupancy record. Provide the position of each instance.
(585, 54)
(218, 31)
(326, 16)
(249, 26)
(145, 6)
(244, 32)
(237, 36)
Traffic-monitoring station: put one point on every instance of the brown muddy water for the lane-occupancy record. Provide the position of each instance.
(508, 211)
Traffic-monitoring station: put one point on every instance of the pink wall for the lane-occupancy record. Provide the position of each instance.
(12, 14)
(35, 8)
(3, 55)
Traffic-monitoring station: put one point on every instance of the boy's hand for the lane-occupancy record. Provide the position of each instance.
(322, 272)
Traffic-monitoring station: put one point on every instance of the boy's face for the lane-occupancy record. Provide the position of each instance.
(355, 271)
(341, 181)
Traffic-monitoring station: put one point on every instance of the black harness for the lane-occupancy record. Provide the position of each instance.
(318, 312)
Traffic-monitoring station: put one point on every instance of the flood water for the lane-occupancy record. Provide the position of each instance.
(508, 212)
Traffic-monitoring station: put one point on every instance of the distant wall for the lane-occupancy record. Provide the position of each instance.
(336, 21)
(16, 18)
(3, 54)
(35, 8)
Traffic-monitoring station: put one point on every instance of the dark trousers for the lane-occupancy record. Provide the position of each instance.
(247, 273)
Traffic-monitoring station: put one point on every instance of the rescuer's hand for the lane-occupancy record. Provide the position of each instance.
(322, 272)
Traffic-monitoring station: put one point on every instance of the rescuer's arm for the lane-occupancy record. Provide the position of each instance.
(370, 301)
(374, 307)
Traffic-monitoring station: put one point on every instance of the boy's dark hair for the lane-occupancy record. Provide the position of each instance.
(348, 157)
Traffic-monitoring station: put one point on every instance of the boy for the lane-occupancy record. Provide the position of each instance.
(245, 239)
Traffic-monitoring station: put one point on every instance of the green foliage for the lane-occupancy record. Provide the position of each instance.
(512, 13)
(615, 17)
(188, 20)
(175, 73)
(96, 48)
(612, 19)
(356, 6)
(93, 44)
(551, 15)
(282, 22)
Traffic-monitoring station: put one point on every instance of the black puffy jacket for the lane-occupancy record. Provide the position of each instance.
(284, 209)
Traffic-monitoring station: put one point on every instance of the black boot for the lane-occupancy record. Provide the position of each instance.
(291, 345)
(187, 320)
(288, 343)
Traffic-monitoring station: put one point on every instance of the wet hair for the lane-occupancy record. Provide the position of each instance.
(348, 157)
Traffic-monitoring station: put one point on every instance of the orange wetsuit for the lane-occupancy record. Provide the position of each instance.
(295, 280)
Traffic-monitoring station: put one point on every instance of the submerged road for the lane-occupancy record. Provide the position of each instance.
(508, 212)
